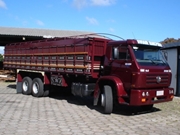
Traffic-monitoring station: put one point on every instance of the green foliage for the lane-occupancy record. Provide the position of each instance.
(170, 40)
(1, 57)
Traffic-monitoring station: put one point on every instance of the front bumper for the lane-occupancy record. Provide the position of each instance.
(147, 97)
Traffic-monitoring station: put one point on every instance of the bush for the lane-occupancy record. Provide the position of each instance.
(1, 57)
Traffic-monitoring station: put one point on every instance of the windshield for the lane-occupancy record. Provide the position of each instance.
(149, 55)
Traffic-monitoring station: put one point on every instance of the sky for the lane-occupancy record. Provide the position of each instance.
(153, 20)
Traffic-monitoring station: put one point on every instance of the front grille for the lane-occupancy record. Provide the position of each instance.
(151, 79)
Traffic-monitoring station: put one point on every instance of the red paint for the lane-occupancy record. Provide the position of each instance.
(89, 60)
(118, 84)
(19, 78)
(137, 97)
(46, 79)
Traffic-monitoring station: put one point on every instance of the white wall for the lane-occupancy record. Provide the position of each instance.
(171, 55)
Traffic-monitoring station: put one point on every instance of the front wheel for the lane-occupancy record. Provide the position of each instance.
(37, 87)
(107, 99)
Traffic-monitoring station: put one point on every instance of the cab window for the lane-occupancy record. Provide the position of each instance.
(121, 53)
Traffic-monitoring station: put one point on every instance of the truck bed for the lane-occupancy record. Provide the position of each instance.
(62, 55)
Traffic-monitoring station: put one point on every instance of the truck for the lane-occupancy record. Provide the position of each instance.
(123, 72)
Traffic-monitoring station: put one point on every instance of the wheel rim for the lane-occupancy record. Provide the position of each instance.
(102, 100)
(35, 87)
(25, 86)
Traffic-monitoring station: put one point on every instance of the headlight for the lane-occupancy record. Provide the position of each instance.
(143, 94)
(147, 93)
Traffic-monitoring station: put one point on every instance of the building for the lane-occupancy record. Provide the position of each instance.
(172, 54)
(12, 35)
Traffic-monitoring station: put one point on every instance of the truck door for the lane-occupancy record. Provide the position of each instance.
(121, 66)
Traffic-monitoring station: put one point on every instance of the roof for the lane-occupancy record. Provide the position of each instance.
(13, 35)
(171, 45)
(39, 32)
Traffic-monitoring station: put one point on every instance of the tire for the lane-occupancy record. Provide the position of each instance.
(46, 93)
(26, 85)
(107, 99)
(37, 87)
(46, 90)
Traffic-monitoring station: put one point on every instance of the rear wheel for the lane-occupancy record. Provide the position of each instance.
(107, 99)
(26, 85)
(46, 93)
(37, 87)
(46, 90)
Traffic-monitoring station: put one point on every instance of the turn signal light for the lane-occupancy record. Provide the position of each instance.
(143, 100)
(172, 97)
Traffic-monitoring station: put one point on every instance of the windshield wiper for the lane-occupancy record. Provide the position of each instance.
(161, 61)
(153, 62)
(150, 61)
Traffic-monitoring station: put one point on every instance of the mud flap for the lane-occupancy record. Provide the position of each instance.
(19, 87)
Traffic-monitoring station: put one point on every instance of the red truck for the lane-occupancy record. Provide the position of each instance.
(131, 72)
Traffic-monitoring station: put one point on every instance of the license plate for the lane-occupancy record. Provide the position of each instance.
(160, 93)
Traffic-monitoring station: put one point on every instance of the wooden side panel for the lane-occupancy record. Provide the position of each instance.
(70, 56)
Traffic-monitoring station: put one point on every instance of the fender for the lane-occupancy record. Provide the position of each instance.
(119, 88)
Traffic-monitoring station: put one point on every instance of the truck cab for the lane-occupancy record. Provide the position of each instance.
(140, 72)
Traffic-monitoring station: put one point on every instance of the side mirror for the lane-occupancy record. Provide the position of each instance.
(115, 53)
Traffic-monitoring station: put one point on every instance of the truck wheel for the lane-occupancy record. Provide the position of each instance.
(46, 90)
(107, 99)
(26, 85)
(46, 93)
(37, 87)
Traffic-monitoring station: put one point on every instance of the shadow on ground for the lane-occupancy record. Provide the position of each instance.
(13, 86)
(88, 101)
(65, 94)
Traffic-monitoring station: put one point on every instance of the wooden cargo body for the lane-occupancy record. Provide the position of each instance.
(60, 55)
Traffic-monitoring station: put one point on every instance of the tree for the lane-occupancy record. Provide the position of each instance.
(1, 57)
(169, 40)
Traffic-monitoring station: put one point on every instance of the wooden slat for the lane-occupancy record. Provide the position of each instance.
(40, 65)
(47, 54)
